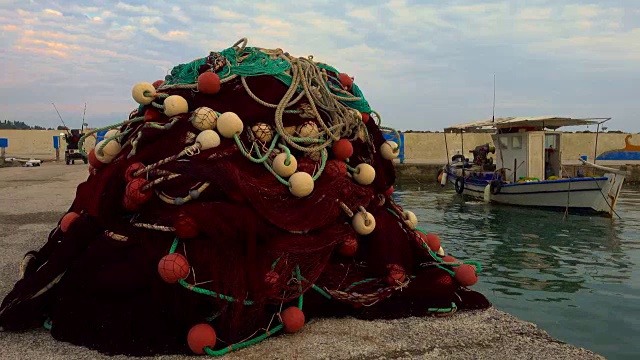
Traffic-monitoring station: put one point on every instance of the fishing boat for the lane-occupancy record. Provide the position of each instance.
(528, 170)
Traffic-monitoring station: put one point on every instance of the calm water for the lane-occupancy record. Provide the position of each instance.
(577, 279)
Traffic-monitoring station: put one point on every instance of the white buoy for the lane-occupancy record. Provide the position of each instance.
(389, 150)
(410, 219)
(363, 224)
(175, 105)
(208, 139)
(111, 149)
(143, 93)
(364, 174)
(204, 118)
(291, 130)
(111, 133)
(308, 130)
(301, 184)
(441, 251)
(229, 124)
(281, 168)
(262, 132)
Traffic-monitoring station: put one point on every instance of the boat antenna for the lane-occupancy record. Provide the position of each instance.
(493, 111)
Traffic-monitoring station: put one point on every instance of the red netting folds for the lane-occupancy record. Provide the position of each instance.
(244, 180)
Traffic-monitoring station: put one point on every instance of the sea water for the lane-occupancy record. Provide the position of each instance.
(576, 277)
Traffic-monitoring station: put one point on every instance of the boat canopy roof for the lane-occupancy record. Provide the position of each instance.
(538, 122)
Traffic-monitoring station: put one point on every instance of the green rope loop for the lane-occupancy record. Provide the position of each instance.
(248, 155)
(287, 161)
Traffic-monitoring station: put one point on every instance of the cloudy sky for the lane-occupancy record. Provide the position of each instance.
(423, 65)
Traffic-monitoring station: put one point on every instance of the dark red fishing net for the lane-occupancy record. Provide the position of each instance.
(249, 239)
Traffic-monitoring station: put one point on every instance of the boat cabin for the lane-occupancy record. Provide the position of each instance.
(524, 147)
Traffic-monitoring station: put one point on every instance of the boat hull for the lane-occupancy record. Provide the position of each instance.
(596, 195)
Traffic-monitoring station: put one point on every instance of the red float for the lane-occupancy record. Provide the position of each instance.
(67, 220)
(342, 149)
(208, 83)
(346, 81)
(93, 160)
(365, 117)
(292, 319)
(396, 274)
(128, 174)
(173, 267)
(153, 115)
(449, 259)
(201, 336)
(186, 227)
(156, 84)
(432, 241)
(349, 247)
(465, 274)
(134, 196)
(271, 278)
(389, 191)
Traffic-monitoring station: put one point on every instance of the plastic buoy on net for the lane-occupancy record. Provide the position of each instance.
(152, 115)
(432, 241)
(204, 118)
(440, 251)
(363, 224)
(131, 170)
(410, 219)
(346, 81)
(201, 336)
(364, 174)
(342, 149)
(389, 191)
(291, 130)
(186, 227)
(389, 150)
(143, 93)
(349, 247)
(208, 83)
(308, 130)
(110, 149)
(396, 274)
(449, 259)
(465, 274)
(262, 132)
(134, 196)
(175, 105)
(111, 133)
(94, 161)
(292, 319)
(208, 139)
(67, 220)
(156, 84)
(301, 184)
(173, 267)
(280, 166)
(365, 117)
(229, 124)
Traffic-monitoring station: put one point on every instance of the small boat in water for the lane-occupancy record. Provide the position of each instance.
(528, 170)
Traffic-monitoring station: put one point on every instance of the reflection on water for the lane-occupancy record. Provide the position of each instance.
(577, 278)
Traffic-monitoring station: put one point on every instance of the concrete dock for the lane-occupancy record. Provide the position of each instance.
(33, 199)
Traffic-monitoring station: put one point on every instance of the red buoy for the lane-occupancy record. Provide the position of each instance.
(67, 220)
(93, 160)
(433, 241)
(365, 117)
(208, 83)
(201, 336)
(156, 84)
(134, 196)
(396, 274)
(389, 191)
(271, 278)
(173, 267)
(186, 227)
(292, 319)
(342, 149)
(153, 115)
(349, 247)
(346, 81)
(128, 174)
(465, 274)
(449, 259)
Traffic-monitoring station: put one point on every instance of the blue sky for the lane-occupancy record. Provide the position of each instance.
(423, 65)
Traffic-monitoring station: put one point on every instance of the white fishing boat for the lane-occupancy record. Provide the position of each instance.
(528, 170)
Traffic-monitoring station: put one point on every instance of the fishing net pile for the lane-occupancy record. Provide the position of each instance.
(249, 192)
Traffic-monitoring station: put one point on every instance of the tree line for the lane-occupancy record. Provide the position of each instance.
(20, 125)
